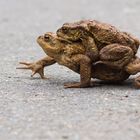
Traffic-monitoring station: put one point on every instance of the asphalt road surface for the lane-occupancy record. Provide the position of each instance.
(35, 109)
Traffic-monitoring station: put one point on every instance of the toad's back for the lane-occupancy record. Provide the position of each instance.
(108, 34)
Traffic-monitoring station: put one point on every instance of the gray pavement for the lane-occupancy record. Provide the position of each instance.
(35, 109)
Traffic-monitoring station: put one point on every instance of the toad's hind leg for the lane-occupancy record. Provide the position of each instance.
(133, 68)
(116, 55)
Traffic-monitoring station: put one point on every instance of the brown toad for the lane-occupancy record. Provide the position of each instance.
(101, 40)
(72, 55)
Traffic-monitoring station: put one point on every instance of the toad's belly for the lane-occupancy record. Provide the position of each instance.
(104, 72)
(69, 63)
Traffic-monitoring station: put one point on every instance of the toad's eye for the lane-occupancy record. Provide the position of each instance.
(46, 37)
(64, 30)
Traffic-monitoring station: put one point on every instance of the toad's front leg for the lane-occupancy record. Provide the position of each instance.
(91, 48)
(83, 67)
(38, 66)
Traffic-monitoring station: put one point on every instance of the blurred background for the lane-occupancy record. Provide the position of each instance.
(21, 21)
(36, 109)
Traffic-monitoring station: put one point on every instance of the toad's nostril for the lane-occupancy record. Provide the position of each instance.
(39, 37)
(58, 31)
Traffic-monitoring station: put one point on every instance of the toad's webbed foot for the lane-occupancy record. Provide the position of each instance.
(35, 67)
(38, 66)
(77, 85)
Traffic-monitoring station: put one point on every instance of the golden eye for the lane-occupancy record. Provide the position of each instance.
(46, 37)
(64, 30)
